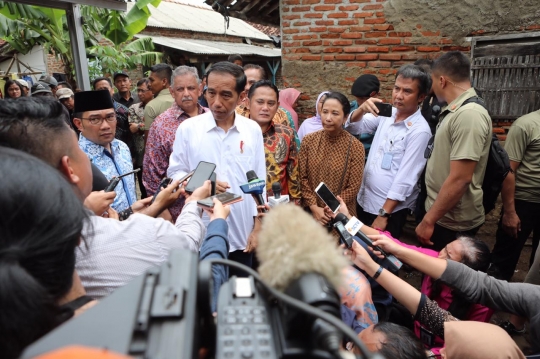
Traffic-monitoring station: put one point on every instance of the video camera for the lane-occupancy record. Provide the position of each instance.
(165, 314)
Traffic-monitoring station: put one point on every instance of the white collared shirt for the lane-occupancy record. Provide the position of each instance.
(234, 153)
(406, 142)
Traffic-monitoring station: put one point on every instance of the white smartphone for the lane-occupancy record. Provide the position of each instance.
(327, 197)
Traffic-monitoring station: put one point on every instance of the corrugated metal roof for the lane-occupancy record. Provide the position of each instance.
(205, 47)
(185, 17)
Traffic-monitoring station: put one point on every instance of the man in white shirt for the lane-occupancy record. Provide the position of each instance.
(396, 160)
(232, 142)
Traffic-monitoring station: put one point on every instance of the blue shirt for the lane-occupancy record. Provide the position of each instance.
(113, 165)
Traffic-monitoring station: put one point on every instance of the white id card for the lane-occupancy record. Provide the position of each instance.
(387, 160)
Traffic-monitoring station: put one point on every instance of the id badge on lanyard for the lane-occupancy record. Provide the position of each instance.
(387, 160)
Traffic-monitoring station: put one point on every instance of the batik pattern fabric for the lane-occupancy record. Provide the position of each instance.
(113, 164)
(281, 161)
(136, 115)
(159, 146)
(356, 295)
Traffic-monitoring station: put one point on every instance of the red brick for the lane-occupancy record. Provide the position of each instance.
(291, 2)
(328, 57)
(312, 43)
(318, 29)
(337, 15)
(311, 57)
(301, 50)
(373, 7)
(399, 34)
(356, 64)
(389, 41)
(313, 15)
(286, 24)
(301, 8)
(315, 50)
(411, 57)
(498, 130)
(324, 8)
(360, 28)
(366, 42)
(349, 8)
(533, 27)
(348, 22)
(344, 57)
(359, 1)
(355, 49)
(310, 2)
(378, 49)
(300, 23)
(324, 22)
(293, 57)
(390, 57)
(379, 64)
(388, 71)
(457, 48)
(338, 30)
(363, 14)
(446, 41)
(379, 14)
(375, 21)
(304, 37)
(428, 49)
(342, 43)
(332, 1)
(291, 43)
(501, 138)
(375, 34)
(381, 27)
(402, 48)
(291, 31)
(351, 35)
(418, 26)
(291, 17)
(367, 57)
(431, 33)
(333, 50)
(329, 36)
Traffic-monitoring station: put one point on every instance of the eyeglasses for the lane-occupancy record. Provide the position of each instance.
(99, 120)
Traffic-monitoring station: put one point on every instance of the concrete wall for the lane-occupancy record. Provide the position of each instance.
(327, 44)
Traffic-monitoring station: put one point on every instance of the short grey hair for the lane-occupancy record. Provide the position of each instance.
(419, 73)
(185, 70)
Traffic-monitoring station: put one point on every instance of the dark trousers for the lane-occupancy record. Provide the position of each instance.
(395, 222)
(139, 179)
(506, 252)
(242, 258)
(442, 236)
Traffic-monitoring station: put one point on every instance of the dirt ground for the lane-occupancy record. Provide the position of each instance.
(486, 233)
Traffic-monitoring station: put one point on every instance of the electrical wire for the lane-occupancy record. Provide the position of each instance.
(295, 303)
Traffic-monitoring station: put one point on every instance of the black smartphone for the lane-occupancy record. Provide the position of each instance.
(225, 198)
(213, 179)
(202, 173)
(167, 181)
(385, 109)
(327, 197)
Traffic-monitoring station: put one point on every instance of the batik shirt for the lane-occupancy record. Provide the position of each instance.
(159, 146)
(281, 161)
(113, 165)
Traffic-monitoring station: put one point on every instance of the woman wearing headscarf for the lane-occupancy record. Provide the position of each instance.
(288, 100)
(314, 123)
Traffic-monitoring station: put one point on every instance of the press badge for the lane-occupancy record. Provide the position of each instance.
(387, 160)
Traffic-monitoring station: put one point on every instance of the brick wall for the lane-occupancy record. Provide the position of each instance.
(327, 44)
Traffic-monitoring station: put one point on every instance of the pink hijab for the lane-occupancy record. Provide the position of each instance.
(287, 98)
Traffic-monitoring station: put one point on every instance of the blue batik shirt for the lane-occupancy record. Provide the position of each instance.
(113, 165)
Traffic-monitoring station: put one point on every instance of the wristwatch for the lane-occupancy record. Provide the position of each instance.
(384, 214)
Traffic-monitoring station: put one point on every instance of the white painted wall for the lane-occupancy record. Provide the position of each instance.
(35, 59)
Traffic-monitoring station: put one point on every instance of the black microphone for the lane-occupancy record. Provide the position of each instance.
(276, 190)
(257, 194)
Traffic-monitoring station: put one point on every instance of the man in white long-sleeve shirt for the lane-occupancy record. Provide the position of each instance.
(230, 141)
(396, 159)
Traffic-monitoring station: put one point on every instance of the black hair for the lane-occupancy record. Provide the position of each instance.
(419, 73)
(99, 79)
(263, 83)
(34, 125)
(229, 68)
(400, 343)
(453, 64)
(40, 227)
(475, 255)
(341, 98)
(9, 83)
(66, 84)
(235, 57)
(162, 71)
(256, 67)
(143, 81)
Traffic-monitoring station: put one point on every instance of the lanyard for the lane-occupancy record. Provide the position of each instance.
(124, 186)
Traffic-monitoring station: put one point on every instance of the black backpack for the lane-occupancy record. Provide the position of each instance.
(497, 168)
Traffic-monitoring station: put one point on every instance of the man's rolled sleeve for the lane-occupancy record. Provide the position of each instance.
(178, 162)
(368, 124)
(516, 142)
(189, 223)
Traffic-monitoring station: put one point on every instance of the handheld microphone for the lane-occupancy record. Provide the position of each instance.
(278, 198)
(254, 187)
(299, 257)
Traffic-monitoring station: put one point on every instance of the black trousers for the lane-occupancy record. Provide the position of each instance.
(243, 258)
(442, 236)
(506, 252)
(395, 222)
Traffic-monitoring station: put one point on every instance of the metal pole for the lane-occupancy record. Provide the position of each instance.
(73, 16)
